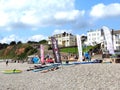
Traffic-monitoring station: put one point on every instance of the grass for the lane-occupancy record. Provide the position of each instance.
(70, 50)
(74, 50)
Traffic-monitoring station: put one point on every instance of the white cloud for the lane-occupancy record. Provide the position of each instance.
(37, 12)
(103, 11)
(37, 38)
(8, 39)
(12, 37)
(71, 15)
(58, 31)
(3, 18)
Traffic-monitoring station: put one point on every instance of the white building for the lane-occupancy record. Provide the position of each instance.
(97, 36)
(64, 39)
(116, 40)
(94, 37)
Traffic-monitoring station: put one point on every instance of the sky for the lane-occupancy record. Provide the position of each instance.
(35, 20)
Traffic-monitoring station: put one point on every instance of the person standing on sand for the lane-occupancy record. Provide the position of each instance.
(7, 63)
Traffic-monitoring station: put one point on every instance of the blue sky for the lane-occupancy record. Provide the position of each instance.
(35, 20)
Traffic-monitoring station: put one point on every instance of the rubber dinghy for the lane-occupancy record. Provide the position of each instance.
(14, 71)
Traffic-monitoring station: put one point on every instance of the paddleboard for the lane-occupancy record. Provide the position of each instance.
(11, 71)
(47, 68)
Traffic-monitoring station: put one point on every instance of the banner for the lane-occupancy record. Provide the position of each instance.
(79, 47)
(56, 50)
(108, 38)
(42, 54)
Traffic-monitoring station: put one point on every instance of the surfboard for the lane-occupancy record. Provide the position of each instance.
(14, 71)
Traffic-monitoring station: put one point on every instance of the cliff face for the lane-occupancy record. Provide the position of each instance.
(7, 50)
(13, 51)
(10, 49)
(19, 51)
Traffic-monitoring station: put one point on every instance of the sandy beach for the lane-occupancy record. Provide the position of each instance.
(73, 77)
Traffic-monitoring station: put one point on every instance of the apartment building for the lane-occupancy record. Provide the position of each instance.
(116, 39)
(97, 36)
(64, 39)
(94, 37)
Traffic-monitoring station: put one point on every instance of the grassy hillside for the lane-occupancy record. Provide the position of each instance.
(17, 51)
(21, 51)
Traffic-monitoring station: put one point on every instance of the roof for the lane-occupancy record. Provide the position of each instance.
(117, 32)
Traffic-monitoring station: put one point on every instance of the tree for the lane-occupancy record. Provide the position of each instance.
(13, 43)
(2, 46)
(32, 42)
(19, 42)
(43, 42)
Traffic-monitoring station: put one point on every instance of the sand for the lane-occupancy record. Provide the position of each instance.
(73, 77)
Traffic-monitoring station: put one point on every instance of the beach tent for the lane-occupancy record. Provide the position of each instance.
(35, 60)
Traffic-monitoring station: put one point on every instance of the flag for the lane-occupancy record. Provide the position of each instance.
(79, 45)
(42, 54)
(56, 50)
(108, 38)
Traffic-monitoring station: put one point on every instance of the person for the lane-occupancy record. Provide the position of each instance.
(67, 62)
(7, 62)
(87, 56)
(83, 57)
(75, 57)
(14, 70)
